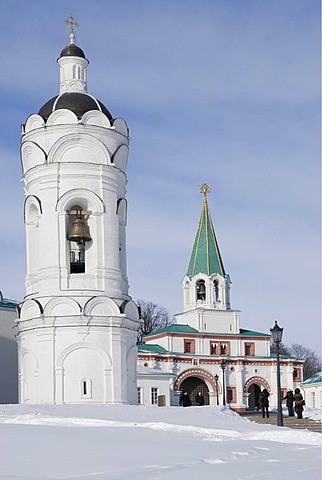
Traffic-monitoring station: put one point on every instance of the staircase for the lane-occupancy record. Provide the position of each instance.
(291, 422)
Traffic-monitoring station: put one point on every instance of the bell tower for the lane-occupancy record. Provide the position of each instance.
(77, 326)
(206, 285)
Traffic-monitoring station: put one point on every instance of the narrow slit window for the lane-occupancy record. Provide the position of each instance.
(86, 388)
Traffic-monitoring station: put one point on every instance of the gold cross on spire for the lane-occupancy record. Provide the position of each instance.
(72, 24)
(204, 188)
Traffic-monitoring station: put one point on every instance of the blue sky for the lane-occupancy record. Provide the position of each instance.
(222, 92)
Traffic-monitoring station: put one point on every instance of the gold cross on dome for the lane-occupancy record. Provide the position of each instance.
(204, 188)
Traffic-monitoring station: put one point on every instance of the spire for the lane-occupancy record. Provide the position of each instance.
(205, 256)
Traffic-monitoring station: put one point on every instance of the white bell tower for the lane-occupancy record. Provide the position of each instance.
(77, 325)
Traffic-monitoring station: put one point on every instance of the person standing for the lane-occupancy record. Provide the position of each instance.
(185, 400)
(298, 403)
(264, 403)
(200, 399)
(289, 397)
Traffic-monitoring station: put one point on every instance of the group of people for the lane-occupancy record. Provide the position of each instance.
(186, 402)
(294, 402)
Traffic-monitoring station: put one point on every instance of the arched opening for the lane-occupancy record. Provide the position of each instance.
(78, 234)
(216, 291)
(200, 290)
(76, 72)
(193, 385)
(253, 399)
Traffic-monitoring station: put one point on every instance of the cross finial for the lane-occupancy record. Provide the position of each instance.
(72, 24)
(204, 188)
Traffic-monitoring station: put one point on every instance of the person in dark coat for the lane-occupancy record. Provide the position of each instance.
(298, 403)
(289, 397)
(185, 400)
(199, 399)
(264, 403)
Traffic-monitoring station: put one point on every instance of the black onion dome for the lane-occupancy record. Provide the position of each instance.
(79, 103)
(72, 50)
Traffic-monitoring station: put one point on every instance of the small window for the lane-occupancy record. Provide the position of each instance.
(249, 349)
(195, 361)
(313, 399)
(224, 348)
(213, 348)
(139, 393)
(86, 388)
(189, 346)
(154, 395)
(296, 374)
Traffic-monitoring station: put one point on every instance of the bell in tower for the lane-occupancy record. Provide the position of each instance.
(201, 290)
(79, 233)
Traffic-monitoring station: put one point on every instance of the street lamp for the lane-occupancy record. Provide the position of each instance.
(223, 366)
(277, 333)
(216, 380)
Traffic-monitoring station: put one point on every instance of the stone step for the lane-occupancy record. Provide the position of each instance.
(290, 422)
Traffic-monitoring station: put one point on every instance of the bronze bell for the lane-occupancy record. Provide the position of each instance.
(201, 289)
(79, 232)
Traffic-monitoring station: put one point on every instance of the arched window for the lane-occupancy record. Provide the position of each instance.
(76, 71)
(200, 290)
(216, 291)
(78, 234)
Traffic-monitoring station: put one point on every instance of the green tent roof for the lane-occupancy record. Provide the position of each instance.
(205, 256)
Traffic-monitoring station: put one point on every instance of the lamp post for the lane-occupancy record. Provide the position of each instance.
(216, 380)
(223, 366)
(277, 333)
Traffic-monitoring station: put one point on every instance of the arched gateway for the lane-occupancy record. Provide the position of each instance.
(196, 380)
(253, 388)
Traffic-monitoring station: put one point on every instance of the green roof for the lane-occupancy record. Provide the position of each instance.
(174, 327)
(205, 256)
(178, 328)
(4, 302)
(252, 333)
(149, 347)
(315, 378)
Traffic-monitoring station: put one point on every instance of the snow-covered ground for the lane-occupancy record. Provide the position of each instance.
(146, 443)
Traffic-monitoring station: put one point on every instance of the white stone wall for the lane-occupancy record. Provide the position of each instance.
(207, 320)
(145, 382)
(312, 394)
